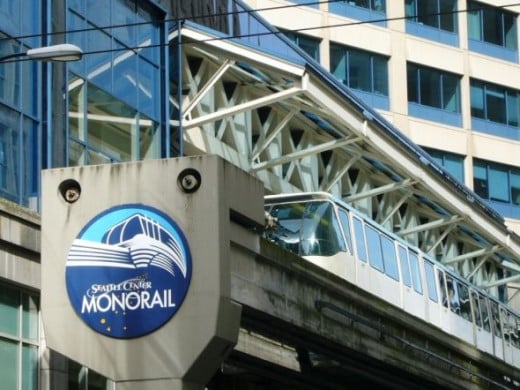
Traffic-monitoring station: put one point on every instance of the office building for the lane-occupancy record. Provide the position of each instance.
(443, 72)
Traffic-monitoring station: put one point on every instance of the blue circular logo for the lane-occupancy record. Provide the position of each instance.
(128, 271)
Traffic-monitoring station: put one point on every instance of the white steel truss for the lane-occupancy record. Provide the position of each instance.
(289, 127)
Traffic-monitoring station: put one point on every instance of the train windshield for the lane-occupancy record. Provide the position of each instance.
(306, 228)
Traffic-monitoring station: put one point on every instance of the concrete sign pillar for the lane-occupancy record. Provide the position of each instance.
(135, 267)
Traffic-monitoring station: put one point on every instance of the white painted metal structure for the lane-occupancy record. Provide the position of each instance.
(294, 127)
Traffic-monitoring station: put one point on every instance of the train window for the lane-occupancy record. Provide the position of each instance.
(442, 289)
(343, 217)
(453, 295)
(286, 232)
(405, 267)
(480, 311)
(510, 325)
(389, 257)
(375, 257)
(484, 313)
(465, 306)
(504, 318)
(515, 336)
(430, 281)
(495, 318)
(476, 310)
(416, 272)
(321, 235)
(359, 234)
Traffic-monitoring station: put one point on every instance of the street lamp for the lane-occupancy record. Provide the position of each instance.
(62, 52)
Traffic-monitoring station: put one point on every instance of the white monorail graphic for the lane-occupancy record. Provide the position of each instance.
(136, 242)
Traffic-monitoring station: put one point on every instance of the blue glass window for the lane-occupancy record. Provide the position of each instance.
(453, 163)
(22, 19)
(492, 31)
(308, 3)
(432, 19)
(115, 98)
(365, 72)
(20, 97)
(495, 109)
(365, 10)
(436, 90)
(309, 45)
(439, 14)
(113, 131)
(496, 182)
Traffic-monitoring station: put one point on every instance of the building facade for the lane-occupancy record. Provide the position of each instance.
(443, 72)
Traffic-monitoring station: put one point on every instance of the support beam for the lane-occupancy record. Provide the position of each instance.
(304, 153)
(237, 109)
(380, 190)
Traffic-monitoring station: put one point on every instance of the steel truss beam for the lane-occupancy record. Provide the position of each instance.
(287, 126)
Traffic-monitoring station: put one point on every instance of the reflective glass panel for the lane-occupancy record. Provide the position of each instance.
(498, 184)
(9, 366)
(416, 272)
(343, 216)
(430, 281)
(359, 234)
(9, 311)
(30, 310)
(405, 267)
(375, 256)
(30, 367)
(389, 257)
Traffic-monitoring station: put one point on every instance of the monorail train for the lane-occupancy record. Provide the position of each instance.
(329, 233)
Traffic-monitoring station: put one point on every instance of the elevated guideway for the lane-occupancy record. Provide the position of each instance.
(259, 102)
(304, 328)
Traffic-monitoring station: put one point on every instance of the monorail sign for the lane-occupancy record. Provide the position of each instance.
(128, 271)
(135, 263)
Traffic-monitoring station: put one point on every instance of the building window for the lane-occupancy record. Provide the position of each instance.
(372, 11)
(434, 89)
(364, 72)
(374, 5)
(452, 163)
(82, 378)
(359, 69)
(112, 131)
(307, 3)
(19, 126)
(494, 103)
(496, 182)
(22, 19)
(495, 28)
(116, 115)
(309, 45)
(440, 14)
(433, 19)
(19, 337)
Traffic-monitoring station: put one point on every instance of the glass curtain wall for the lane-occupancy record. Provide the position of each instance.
(115, 94)
(20, 97)
(19, 338)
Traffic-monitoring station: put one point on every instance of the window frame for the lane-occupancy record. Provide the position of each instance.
(487, 190)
